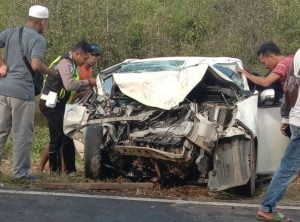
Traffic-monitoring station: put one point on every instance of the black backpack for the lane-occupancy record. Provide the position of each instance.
(291, 88)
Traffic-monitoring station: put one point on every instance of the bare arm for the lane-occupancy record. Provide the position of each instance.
(260, 80)
(3, 67)
(40, 67)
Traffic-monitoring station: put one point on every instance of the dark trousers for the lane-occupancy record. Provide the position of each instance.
(60, 144)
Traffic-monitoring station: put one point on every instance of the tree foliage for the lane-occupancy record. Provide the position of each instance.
(151, 28)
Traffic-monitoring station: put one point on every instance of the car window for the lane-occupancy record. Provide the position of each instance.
(108, 84)
(229, 71)
(152, 66)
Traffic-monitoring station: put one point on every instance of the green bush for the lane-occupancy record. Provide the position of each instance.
(150, 28)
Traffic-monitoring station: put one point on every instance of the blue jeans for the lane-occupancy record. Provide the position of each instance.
(286, 172)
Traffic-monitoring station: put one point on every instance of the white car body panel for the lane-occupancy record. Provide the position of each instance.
(247, 113)
(271, 143)
(75, 117)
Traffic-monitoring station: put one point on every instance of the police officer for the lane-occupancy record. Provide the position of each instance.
(86, 72)
(61, 89)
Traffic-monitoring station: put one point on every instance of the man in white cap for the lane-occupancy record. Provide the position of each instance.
(17, 94)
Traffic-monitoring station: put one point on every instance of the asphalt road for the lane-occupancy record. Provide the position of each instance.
(45, 207)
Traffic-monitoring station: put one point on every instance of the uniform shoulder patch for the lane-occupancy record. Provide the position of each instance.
(71, 68)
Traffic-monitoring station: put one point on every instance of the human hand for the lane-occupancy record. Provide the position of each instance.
(79, 95)
(240, 70)
(51, 72)
(243, 72)
(92, 82)
(283, 128)
(54, 72)
(3, 70)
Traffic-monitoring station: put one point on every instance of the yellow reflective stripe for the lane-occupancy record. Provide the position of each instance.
(76, 73)
(52, 64)
(71, 97)
(55, 61)
(62, 93)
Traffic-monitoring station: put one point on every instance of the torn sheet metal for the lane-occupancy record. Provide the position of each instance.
(181, 130)
(164, 90)
(231, 164)
(204, 133)
(247, 113)
(233, 131)
(75, 117)
(183, 156)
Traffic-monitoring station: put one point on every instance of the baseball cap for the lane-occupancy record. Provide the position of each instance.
(96, 49)
(38, 11)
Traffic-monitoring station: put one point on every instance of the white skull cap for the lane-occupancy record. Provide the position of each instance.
(38, 11)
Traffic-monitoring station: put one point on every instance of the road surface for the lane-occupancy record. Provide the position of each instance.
(31, 206)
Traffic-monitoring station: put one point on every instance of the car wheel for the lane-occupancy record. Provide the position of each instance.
(249, 188)
(92, 152)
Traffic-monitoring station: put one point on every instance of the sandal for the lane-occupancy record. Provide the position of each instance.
(279, 217)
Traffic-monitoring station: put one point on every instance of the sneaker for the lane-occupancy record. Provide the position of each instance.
(29, 178)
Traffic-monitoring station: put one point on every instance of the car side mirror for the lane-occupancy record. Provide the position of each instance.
(266, 97)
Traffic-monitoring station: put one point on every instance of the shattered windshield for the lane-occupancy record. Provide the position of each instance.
(152, 66)
(228, 70)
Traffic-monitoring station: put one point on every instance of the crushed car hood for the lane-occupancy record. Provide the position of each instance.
(163, 90)
(167, 89)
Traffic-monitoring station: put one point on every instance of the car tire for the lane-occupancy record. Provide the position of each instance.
(249, 188)
(92, 152)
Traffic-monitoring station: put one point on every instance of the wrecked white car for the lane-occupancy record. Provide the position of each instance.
(177, 120)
